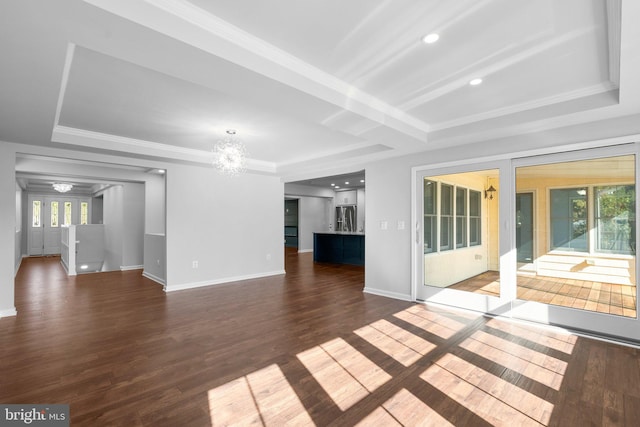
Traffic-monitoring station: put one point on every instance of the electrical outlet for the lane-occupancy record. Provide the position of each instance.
(194, 264)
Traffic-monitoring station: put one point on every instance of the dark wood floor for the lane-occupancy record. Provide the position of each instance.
(301, 349)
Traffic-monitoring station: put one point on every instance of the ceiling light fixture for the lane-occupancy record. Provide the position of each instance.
(346, 183)
(362, 180)
(475, 82)
(431, 38)
(230, 154)
(61, 187)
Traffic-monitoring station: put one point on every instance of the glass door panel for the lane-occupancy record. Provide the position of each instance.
(458, 253)
(584, 256)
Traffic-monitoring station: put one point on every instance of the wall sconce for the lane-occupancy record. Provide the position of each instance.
(488, 193)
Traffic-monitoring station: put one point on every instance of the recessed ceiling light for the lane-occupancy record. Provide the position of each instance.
(346, 183)
(337, 186)
(475, 82)
(431, 38)
(161, 171)
(332, 184)
(362, 180)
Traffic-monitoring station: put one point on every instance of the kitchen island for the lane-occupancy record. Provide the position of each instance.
(338, 247)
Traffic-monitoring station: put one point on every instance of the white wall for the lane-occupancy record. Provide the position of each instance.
(361, 209)
(7, 230)
(232, 226)
(312, 216)
(388, 252)
(19, 227)
(123, 208)
(113, 199)
(154, 257)
(133, 226)
(155, 206)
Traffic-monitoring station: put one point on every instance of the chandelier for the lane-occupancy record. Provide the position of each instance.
(61, 187)
(230, 154)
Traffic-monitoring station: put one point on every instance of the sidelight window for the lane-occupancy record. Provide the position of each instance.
(54, 215)
(36, 214)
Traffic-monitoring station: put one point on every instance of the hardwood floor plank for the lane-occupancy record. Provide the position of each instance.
(306, 348)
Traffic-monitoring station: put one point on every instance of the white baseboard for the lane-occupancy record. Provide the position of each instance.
(8, 312)
(17, 267)
(154, 278)
(388, 294)
(302, 251)
(131, 267)
(183, 286)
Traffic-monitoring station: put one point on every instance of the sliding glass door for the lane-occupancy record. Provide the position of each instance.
(550, 239)
(582, 272)
(458, 237)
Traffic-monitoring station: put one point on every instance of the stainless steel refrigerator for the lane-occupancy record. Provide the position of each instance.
(346, 218)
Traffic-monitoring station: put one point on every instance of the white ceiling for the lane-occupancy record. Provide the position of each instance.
(310, 86)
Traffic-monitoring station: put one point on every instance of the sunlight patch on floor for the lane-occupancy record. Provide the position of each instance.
(404, 409)
(557, 340)
(488, 396)
(401, 345)
(429, 321)
(263, 397)
(344, 373)
(541, 368)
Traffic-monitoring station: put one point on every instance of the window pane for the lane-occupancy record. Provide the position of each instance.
(615, 219)
(430, 192)
(84, 213)
(67, 213)
(54, 214)
(475, 229)
(430, 233)
(36, 215)
(461, 217)
(569, 219)
(446, 217)
(430, 215)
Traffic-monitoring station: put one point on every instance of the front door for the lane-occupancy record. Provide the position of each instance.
(53, 215)
(524, 227)
(36, 226)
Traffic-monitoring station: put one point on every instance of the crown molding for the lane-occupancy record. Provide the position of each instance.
(614, 36)
(526, 106)
(103, 141)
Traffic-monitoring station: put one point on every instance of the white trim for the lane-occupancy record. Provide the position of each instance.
(91, 139)
(154, 278)
(18, 265)
(388, 294)
(71, 48)
(303, 251)
(517, 155)
(527, 106)
(614, 37)
(192, 285)
(131, 267)
(8, 312)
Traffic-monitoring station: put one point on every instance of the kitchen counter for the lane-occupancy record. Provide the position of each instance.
(338, 247)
